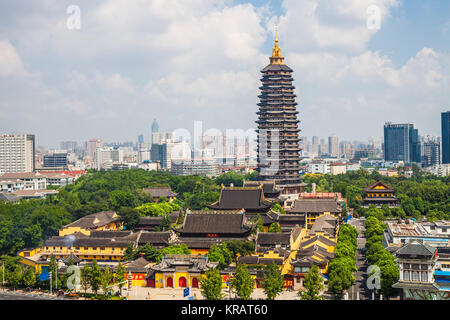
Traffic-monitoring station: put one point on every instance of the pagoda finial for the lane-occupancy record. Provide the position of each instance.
(276, 51)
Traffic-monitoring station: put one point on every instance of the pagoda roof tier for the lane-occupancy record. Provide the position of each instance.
(276, 77)
(276, 67)
(277, 94)
(277, 103)
(277, 111)
(272, 86)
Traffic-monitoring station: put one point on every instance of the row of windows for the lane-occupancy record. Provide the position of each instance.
(415, 276)
(376, 195)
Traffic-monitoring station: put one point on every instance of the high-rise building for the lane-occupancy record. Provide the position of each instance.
(431, 154)
(333, 146)
(17, 153)
(445, 127)
(401, 143)
(278, 139)
(92, 145)
(140, 139)
(155, 128)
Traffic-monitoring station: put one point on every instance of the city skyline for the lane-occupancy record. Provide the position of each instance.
(201, 61)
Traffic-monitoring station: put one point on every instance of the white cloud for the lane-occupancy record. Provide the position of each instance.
(324, 24)
(10, 62)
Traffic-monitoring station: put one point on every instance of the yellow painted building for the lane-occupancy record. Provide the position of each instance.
(100, 221)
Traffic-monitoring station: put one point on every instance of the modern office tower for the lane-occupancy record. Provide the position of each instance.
(431, 154)
(278, 139)
(68, 145)
(56, 160)
(92, 145)
(140, 139)
(333, 146)
(17, 153)
(155, 128)
(401, 143)
(445, 127)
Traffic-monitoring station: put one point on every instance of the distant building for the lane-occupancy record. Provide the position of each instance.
(440, 170)
(333, 146)
(92, 145)
(68, 145)
(401, 143)
(17, 153)
(56, 160)
(158, 192)
(194, 167)
(431, 154)
(104, 158)
(319, 167)
(445, 127)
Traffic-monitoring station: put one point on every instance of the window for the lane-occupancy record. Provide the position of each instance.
(424, 276)
(406, 275)
(415, 276)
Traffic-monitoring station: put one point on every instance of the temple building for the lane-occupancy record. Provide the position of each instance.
(378, 194)
(202, 229)
(251, 199)
(179, 271)
(158, 192)
(278, 140)
(313, 209)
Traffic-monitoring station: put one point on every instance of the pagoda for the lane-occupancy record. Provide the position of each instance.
(278, 159)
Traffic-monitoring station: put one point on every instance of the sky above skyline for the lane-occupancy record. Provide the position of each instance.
(181, 61)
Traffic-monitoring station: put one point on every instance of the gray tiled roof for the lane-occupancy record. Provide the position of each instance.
(315, 205)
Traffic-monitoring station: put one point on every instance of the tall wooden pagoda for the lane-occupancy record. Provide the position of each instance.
(278, 139)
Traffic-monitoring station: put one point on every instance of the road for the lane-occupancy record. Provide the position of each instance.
(361, 265)
(11, 295)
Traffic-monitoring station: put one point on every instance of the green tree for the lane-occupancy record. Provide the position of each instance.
(129, 216)
(340, 275)
(242, 282)
(211, 285)
(85, 281)
(275, 227)
(221, 254)
(96, 277)
(165, 223)
(120, 276)
(106, 279)
(273, 282)
(29, 278)
(313, 284)
(278, 208)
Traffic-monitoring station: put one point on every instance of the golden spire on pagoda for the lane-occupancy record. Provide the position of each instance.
(276, 51)
(276, 57)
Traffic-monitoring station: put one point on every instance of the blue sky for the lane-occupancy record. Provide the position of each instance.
(186, 60)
